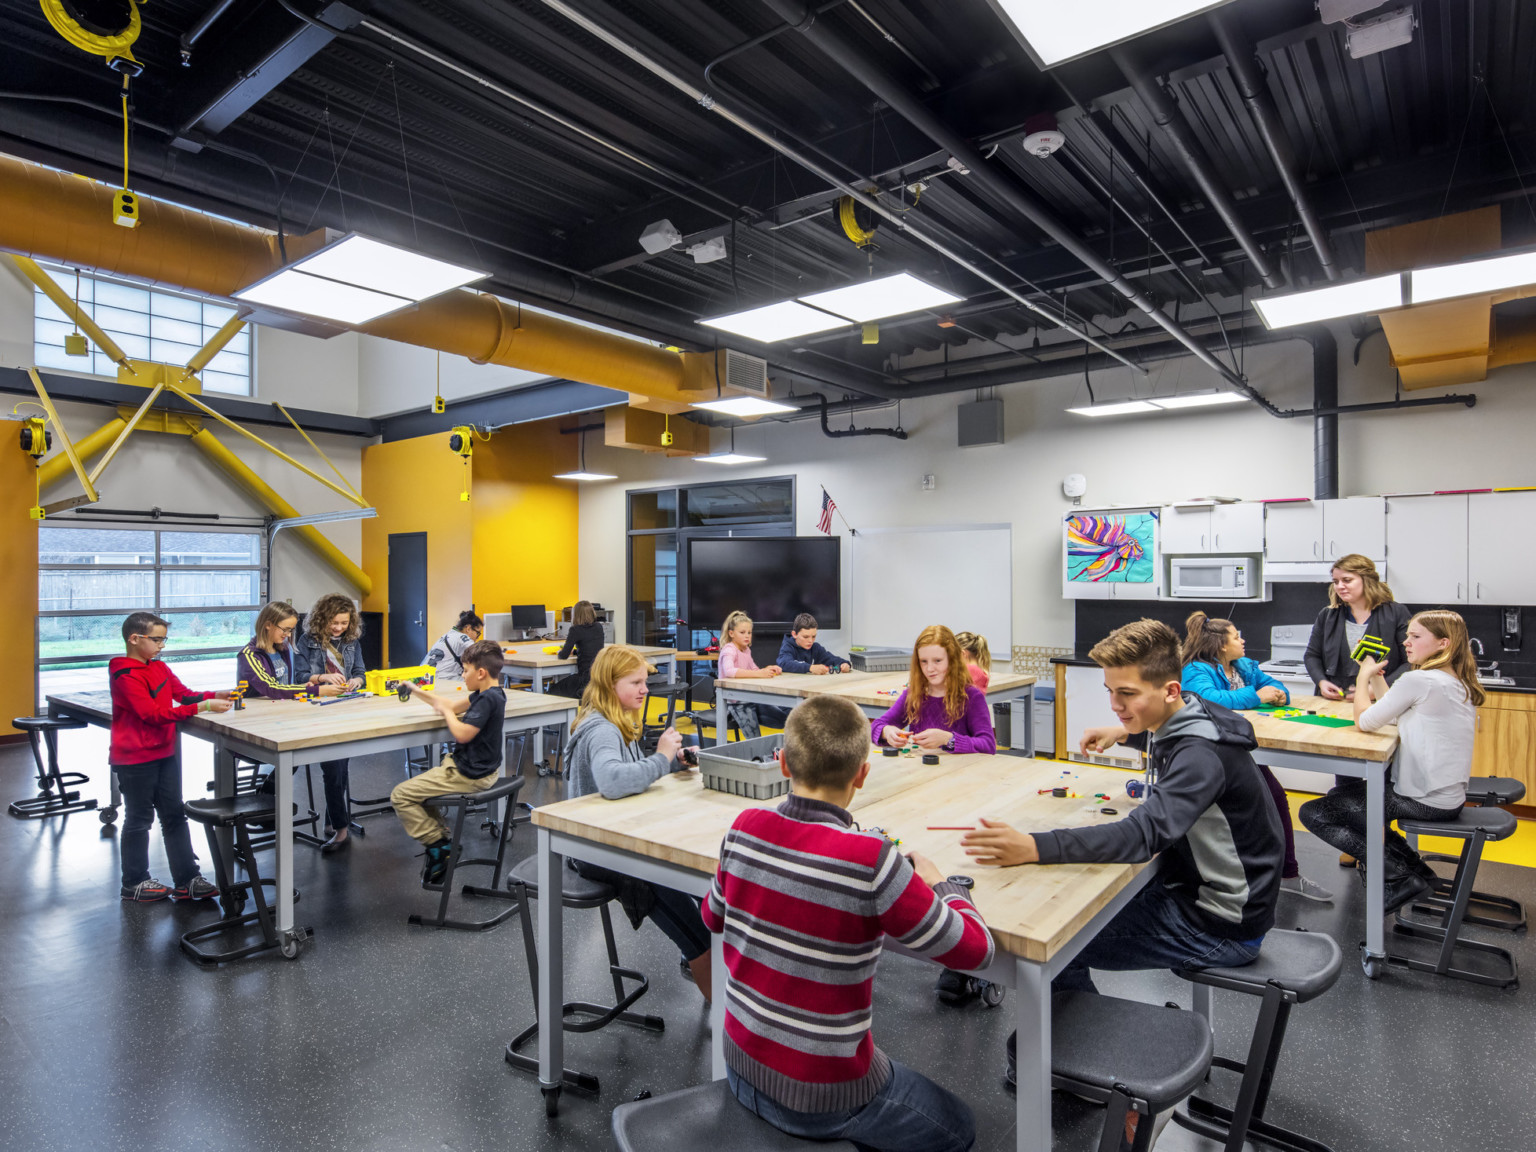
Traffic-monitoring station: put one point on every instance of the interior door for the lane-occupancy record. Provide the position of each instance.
(407, 598)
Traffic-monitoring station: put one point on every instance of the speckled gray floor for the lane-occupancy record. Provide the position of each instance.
(383, 1036)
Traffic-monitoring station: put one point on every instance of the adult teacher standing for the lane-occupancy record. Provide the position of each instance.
(1359, 605)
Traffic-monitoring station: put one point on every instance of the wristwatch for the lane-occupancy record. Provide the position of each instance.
(964, 881)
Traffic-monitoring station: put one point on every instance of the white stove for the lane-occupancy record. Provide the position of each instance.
(1287, 646)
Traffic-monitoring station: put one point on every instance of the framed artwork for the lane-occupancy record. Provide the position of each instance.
(1111, 548)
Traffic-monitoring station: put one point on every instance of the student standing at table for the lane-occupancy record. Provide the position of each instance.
(604, 756)
(799, 652)
(329, 648)
(978, 658)
(447, 654)
(269, 665)
(1217, 668)
(940, 710)
(736, 663)
(586, 639)
(1359, 605)
(1434, 705)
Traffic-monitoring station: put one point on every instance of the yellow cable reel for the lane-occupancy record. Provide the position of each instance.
(848, 216)
(99, 29)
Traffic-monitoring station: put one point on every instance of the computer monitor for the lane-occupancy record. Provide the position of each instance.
(529, 617)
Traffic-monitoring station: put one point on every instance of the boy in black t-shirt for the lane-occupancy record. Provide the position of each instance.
(475, 722)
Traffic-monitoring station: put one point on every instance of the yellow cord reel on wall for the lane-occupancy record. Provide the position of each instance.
(105, 28)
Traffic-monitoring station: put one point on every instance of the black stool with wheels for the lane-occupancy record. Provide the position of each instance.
(462, 802)
(1132, 1056)
(1292, 968)
(577, 892)
(237, 813)
(54, 788)
(1474, 826)
(707, 1118)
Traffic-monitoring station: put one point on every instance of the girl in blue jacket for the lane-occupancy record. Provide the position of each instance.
(1216, 669)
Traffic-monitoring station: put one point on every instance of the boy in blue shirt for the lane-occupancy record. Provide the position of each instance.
(800, 653)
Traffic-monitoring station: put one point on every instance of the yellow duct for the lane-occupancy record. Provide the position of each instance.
(50, 215)
(56, 467)
(241, 473)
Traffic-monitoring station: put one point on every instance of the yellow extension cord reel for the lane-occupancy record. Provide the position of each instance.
(105, 28)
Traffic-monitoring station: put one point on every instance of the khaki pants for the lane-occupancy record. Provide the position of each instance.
(420, 823)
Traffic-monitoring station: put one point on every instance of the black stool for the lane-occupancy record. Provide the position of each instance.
(54, 797)
(577, 892)
(1485, 792)
(1292, 968)
(1132, 1056)
(506, 789)
(238, 813)
(703, 1119)
(1494, 791)
(1474, 826)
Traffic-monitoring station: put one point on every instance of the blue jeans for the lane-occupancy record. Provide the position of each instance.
(910, 1114)
(1152, 931)
(338, 814)
(150, 789)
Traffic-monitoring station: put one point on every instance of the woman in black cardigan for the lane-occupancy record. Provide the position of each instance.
(1359, 604)
(587, 639)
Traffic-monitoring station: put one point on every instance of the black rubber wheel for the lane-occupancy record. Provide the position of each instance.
(551, 1100)
(107, 815)
(289, 949)
(992, 994)
(1373, 966)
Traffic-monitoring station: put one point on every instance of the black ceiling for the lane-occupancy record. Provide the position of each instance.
(550, 180)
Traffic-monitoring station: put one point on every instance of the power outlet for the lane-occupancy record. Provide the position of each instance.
(929, 482)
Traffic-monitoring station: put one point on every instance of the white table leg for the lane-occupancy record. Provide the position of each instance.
(1032, 1106)
(284, 845)
(1375, 859)
(672, 670)
(717, 1007)
(722, 733)
(551, 964)
(538, 733)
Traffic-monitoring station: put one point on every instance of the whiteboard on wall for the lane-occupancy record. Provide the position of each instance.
(904, 579)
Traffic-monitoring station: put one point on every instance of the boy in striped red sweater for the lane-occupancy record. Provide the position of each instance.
(804, 899)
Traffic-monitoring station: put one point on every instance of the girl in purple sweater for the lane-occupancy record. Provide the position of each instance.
(940, 710)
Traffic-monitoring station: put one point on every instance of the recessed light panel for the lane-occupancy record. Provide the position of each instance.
(1056, 33)
(584, 476)
(1199, 400)
(876, 299)
(1124, 408)
(382, 267)
(729, 458)
(1377, 294)
(744, 406)
(292, 291)
(782, 321)
(1472, 277)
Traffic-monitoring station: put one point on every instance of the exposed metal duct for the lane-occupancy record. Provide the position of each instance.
(1325, 419)
(1244, 64)
(1167, 117)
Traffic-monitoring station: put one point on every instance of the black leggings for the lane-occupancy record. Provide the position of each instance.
(1339, 819)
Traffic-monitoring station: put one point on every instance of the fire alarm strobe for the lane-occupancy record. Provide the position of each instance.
(1042, 137)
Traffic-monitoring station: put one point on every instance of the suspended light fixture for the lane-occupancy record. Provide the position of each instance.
(731, 456)
(782, 321)
(877, 299)
(743, 407)
(580, 472)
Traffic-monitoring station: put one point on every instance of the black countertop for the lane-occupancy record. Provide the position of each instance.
(1523, 685)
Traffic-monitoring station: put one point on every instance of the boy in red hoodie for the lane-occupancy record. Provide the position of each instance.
(147, 701)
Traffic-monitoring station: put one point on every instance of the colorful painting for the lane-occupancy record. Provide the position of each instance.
(1111, 549)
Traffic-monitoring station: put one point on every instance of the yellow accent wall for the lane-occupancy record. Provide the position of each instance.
(415, 485)
(18, 576)
(525, 541)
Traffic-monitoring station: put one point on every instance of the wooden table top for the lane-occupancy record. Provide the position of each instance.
(526, 656)
(292, 725)
(1033, 911)
(869, 689)
(1349, 743)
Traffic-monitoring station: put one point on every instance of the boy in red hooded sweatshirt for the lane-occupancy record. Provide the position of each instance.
(147, 701)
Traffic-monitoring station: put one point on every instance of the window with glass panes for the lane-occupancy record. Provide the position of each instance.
(149, 325)
(206, 584)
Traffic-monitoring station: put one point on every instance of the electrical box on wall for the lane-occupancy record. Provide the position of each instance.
(981, 422)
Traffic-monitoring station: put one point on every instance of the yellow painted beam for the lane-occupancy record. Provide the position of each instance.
(126, 432)
(58, 426)
(214, 346)
(241, 473)
(56, 467)
(51, 289)
(316, 447)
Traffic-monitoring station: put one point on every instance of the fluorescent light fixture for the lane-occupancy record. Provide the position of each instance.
(1374, 295)
(292, 291)
(876, 299)
(1056, 33)
(782, 321)
(1199, 400)
(1123, 408)
(1472, 277)
(584, 475)
(367, 263)
(744, 406)
(729, 458)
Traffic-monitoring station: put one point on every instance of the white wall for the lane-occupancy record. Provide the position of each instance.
(1238, 451)
(394, 378)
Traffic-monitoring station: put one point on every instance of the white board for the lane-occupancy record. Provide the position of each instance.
(904, 579)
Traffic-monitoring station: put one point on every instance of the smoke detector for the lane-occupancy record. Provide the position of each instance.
(1042, 137)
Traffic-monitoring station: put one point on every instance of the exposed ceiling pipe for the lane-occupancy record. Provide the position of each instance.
(853, 60)
(838, 433)
(204, 22)
(1325, 423)
(1243, 61)
(1179, 134)
(894, 217)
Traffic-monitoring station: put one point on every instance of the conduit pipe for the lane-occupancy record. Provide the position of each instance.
(1179, 134)
(1242, 60)
(839, 433)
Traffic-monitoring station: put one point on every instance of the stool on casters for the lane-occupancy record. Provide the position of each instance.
(504, 789)
(1474, 826)
(238, 813)
(54, 797)
(577, 892)
(1292, 968)
(703, 1119)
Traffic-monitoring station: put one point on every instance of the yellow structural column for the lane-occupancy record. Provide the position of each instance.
(56, 467)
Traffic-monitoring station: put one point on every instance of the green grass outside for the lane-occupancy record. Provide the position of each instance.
(105, 650)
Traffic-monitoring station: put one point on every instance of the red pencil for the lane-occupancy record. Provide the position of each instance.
(951, 828)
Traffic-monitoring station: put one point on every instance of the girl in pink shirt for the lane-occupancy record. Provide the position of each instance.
(978, 658)
(736, 663)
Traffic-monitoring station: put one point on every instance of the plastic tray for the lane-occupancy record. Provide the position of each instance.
(745, 768)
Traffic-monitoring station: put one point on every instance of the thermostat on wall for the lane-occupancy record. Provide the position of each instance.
(1074, 486)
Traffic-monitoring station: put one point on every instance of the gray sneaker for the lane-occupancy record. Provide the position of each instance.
(1306, 889)
(145, 892)
(194, 889)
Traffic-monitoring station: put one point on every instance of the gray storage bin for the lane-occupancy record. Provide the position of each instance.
(745, 768)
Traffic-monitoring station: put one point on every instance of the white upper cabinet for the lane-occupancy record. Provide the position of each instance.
(1501, 548)
(1186, 529)
(1237, 529)
(1427, 549)
(1358, 524)
(1293, 532)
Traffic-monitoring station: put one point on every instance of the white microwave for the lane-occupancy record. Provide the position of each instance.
(1213, 577)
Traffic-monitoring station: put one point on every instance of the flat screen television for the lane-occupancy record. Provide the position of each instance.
(771, 578)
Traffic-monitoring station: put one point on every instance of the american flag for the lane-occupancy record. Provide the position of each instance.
(828, 506)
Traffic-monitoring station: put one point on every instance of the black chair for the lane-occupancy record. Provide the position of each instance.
(658, 687)
(1494, 791)
(1131, 1056)
(702, 714)
(238, 813)
(1485, 792)
(703, 1119)
(1292, 968)
(462, 803)
(1475, 827)
(577, 892)
(57, 792)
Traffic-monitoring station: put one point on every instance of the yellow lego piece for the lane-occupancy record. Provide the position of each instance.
(381, 681)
